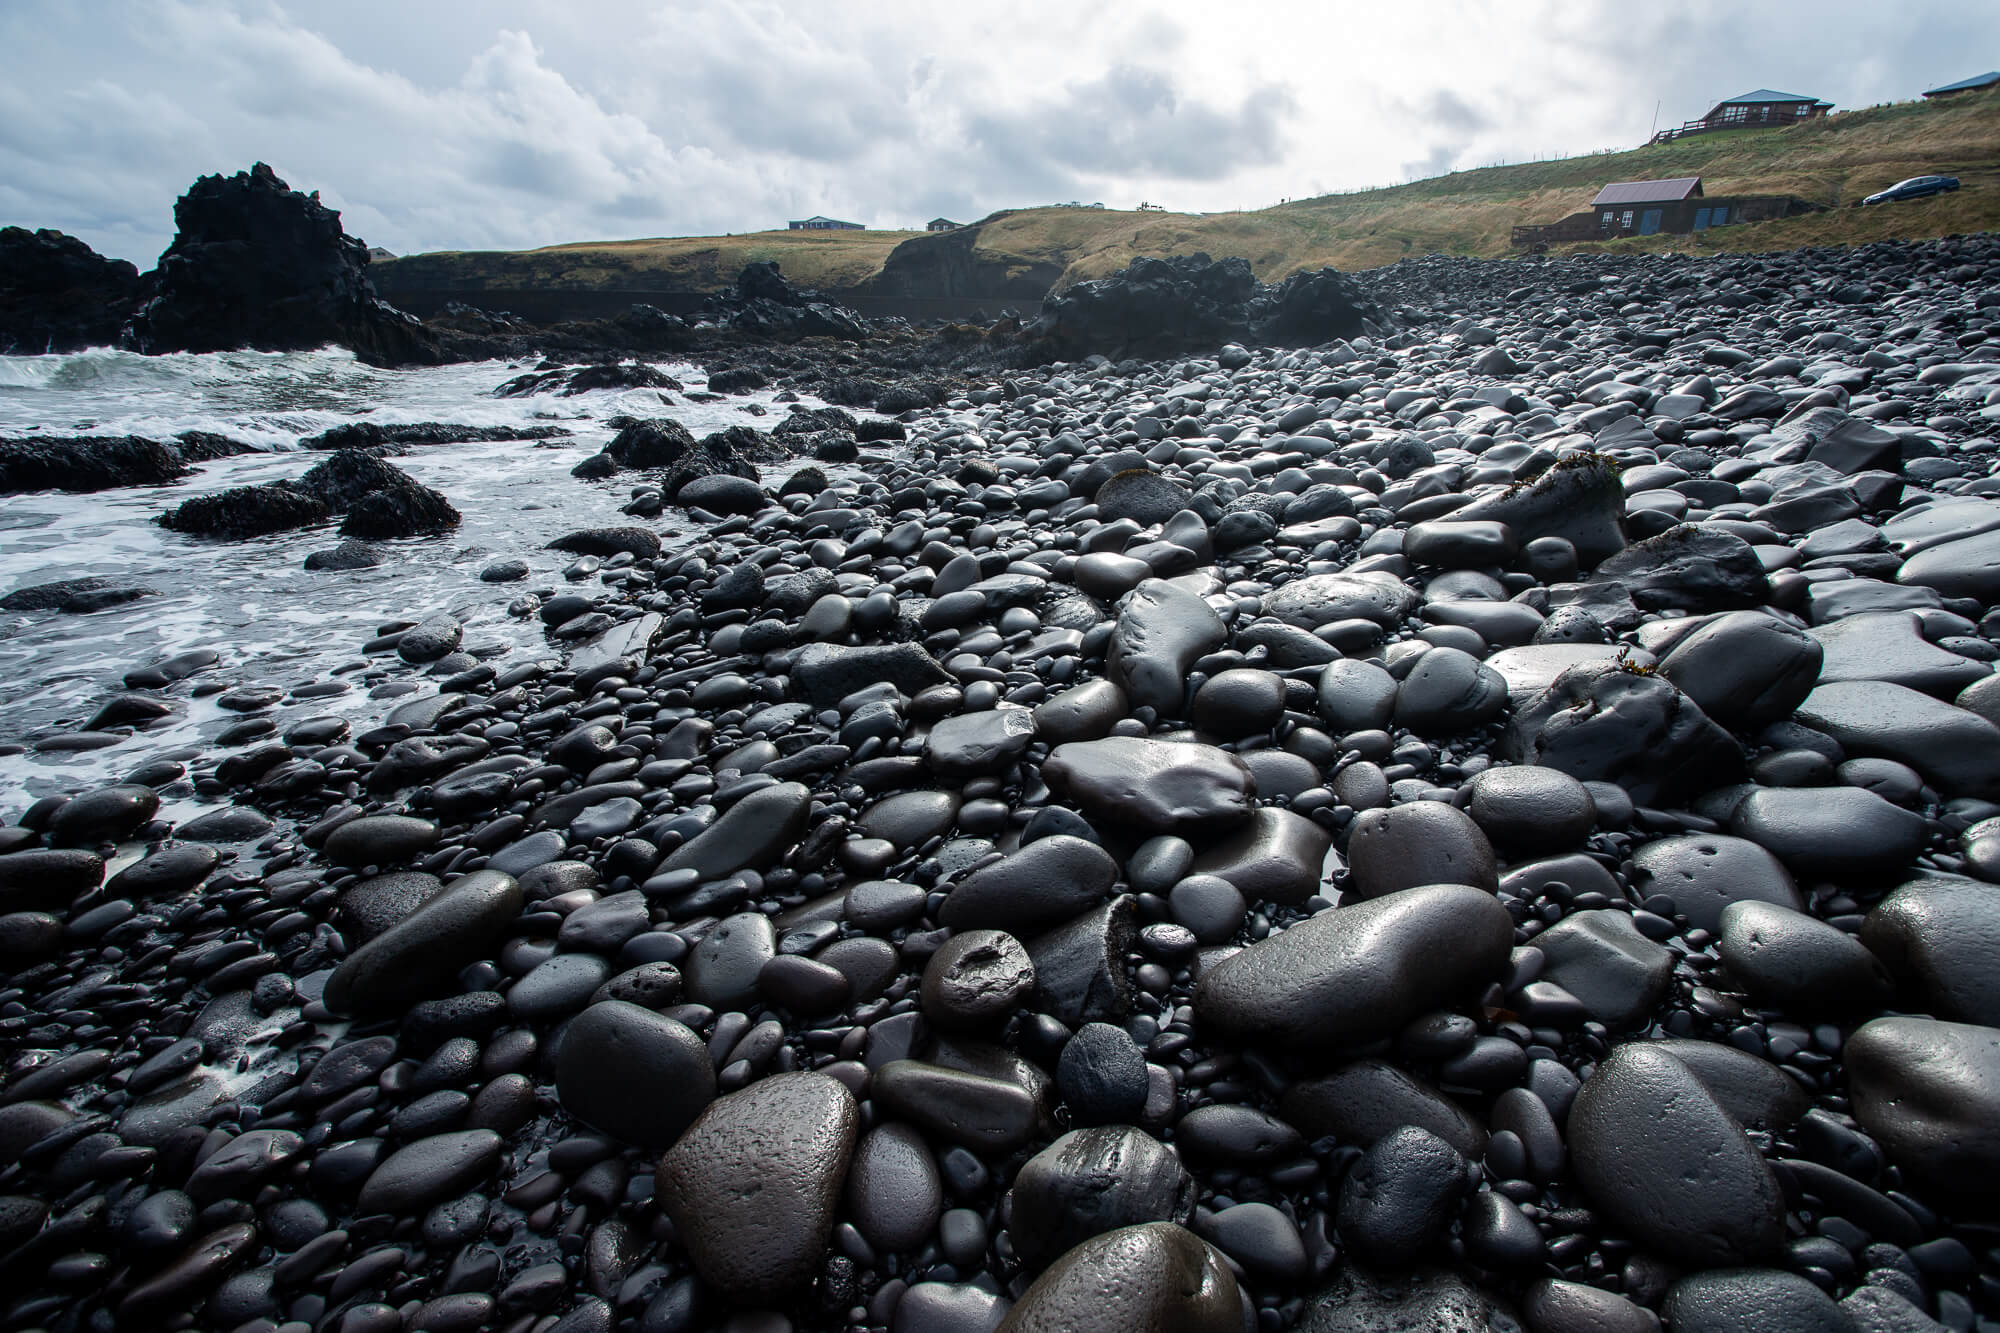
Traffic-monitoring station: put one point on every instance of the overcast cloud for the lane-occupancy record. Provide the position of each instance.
(515, 123)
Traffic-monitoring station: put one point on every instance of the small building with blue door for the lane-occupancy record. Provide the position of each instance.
(1641, 208)
(1675, 206)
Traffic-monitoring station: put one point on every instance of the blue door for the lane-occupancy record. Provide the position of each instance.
(1649, 222)
(1701, 219)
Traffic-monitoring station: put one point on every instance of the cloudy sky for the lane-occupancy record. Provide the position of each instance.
(515, 123)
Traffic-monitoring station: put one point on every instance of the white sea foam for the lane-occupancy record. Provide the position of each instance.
(253, 602)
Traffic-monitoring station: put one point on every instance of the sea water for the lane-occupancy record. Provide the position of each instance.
(253, 602)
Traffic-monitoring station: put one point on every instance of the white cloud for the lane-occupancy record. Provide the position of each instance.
(525, 122)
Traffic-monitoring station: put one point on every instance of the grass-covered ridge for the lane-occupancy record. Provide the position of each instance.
(1832, 161)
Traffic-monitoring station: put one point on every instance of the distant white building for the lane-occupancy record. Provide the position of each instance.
(826, 224)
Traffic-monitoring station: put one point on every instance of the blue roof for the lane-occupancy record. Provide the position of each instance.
(1976, 81)
(1765, 95)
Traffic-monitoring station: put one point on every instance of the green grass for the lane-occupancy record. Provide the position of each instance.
(1832, 161)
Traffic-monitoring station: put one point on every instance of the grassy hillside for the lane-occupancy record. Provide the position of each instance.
(669, 263)
(1832, 161)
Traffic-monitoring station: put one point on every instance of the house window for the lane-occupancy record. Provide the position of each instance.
(1625, 220)
(1735, 115)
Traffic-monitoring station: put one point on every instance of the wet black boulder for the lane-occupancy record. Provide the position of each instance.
(247, 511)
(79, 463)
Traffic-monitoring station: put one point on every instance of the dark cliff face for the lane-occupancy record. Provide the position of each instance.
(1163, 307)
(946, 265)
(256, 264)
(59, 295)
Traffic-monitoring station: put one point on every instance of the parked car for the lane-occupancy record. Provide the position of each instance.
(1916, 187)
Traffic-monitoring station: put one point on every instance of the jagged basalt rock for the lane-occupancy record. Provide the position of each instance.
(59, 295)
(379, 499)
(256, 264)
(1159, 307)
(247, 511)
(377, 435)
(571, 381)
(86, 463)
(766, 305)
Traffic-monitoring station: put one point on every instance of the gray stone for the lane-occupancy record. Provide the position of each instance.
(1158, 786)
(1942, 937)
(974, 744)
(1755, 1092)
(1356, 696)
(1356, 973)
(1424, 842)
(751, 835)
(1705, 872)
(1601, 958)
(424, 953)
(1047, 882)
(1277, 857)
(1955, 749)
(1091, 1181)
(1602, 722)
(1579, 500)
(894, 1192)
(1745, 670)
(826, 673)
(753, 1184)
(1660, 1157)
(1137, 1279)
(1321, 599)
(1693, 567)
(986, 1113)
(1528, 809)
(1798, 961)
(722, 970)
(1396, 1202)
(1162, 630)
(1751, 1300)
(1361, 1102)
(639, 1076)
(430, 1171)
(1555, 1306)
(1830, 830)
(976, 980)
(1967, 567)
(1890, 646)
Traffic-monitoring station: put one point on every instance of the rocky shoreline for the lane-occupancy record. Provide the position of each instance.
(1489, 820)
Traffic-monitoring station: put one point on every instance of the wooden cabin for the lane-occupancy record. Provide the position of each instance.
(1761, 108)
(1676, 206)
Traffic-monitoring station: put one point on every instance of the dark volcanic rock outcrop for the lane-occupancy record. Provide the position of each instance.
(951, 264)
(59, 295)
(1160, 307)
(82, 463)
(377, 435)
(255, 263)
(379, 499)
(86, 463)
(665, 446)
(766, 305)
